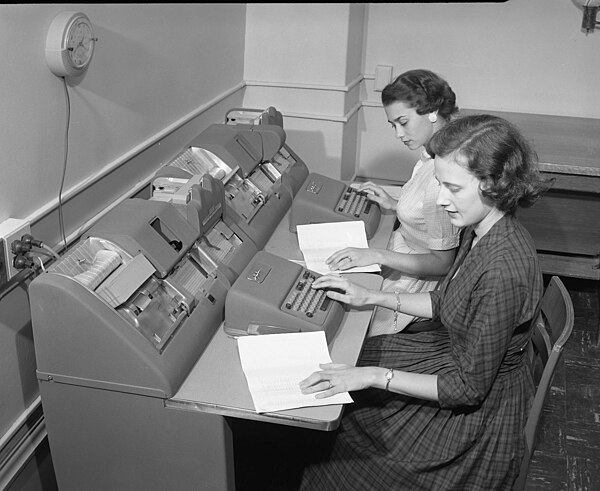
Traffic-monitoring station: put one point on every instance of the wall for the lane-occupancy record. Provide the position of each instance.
(306, 60)
(522, 55)
(157, 79)
(316, 64)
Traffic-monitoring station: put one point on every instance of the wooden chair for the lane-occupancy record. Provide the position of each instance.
(551, 331)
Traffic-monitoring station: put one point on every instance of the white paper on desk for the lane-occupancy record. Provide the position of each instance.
(318, 241)
(274, 365)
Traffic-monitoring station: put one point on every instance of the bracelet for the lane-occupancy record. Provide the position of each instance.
(389, 376)
(397, 293)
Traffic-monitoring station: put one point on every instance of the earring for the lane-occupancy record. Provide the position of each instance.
(432, 117)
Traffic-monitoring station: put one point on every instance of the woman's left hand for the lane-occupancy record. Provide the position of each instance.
(334, 379)
(351, 257)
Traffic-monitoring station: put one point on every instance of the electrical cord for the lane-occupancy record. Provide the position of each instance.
(61, 221)
(52, 252)
(42, 252)
(26, 252)
(23, 256)
(41, 264)
(28, 242)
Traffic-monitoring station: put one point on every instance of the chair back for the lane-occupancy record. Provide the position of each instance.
(551, 330)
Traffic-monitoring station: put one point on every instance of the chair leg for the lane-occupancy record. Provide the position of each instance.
(597, 286)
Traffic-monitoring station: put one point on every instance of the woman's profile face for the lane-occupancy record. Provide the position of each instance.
(413, 129)
(460, 193)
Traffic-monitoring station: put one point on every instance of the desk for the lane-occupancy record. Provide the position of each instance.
(564, 224)
(121, 437)
(203, 388)
(217, 385)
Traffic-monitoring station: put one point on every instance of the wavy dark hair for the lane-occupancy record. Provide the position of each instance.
(422, 90)
(494, 151)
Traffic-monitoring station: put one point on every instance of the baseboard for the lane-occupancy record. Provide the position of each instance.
(20, 443)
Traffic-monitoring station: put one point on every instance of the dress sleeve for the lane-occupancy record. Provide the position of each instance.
(492, 313)
(435, 304)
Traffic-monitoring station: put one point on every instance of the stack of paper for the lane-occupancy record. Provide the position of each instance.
(274, 365)
(318, 241)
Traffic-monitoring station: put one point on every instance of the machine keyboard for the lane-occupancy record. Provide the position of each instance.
(302, 299)
(353, 202)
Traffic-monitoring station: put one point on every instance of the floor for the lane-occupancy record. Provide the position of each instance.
(567, 455)
(568, 450)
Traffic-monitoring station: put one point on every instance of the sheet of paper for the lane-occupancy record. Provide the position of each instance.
(274, 365)
(318, 241)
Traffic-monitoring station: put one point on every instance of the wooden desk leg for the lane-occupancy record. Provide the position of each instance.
(597, 283)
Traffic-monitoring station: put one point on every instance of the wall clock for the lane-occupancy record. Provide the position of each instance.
(70, 44)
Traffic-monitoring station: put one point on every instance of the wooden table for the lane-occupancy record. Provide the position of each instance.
(565, 223)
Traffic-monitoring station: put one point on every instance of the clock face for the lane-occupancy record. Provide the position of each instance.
(80, 42)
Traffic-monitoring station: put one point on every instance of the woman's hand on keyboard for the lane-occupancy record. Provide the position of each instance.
(339, 288)
(352, 256)
(379, 195)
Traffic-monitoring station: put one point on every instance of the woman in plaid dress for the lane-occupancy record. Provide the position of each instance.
(445, 409)
(421, 250)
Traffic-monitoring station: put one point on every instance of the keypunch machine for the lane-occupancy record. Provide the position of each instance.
(123, 316)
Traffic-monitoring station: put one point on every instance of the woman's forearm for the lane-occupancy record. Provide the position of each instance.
(410, 384)
(417, 304)
(433, 263)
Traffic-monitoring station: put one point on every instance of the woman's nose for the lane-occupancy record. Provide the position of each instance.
(442, 199)
(399, 132)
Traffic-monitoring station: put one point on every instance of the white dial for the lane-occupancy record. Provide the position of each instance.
(70, 44)
(80, 43)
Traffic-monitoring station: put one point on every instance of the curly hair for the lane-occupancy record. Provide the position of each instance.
(495, 152)
(422, 90)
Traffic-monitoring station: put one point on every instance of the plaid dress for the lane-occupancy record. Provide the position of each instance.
(472, 438)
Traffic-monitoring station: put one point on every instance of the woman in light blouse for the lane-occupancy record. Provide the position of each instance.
(421, 250)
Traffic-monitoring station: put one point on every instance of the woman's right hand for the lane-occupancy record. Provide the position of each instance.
(339, 288)
(379, 195)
